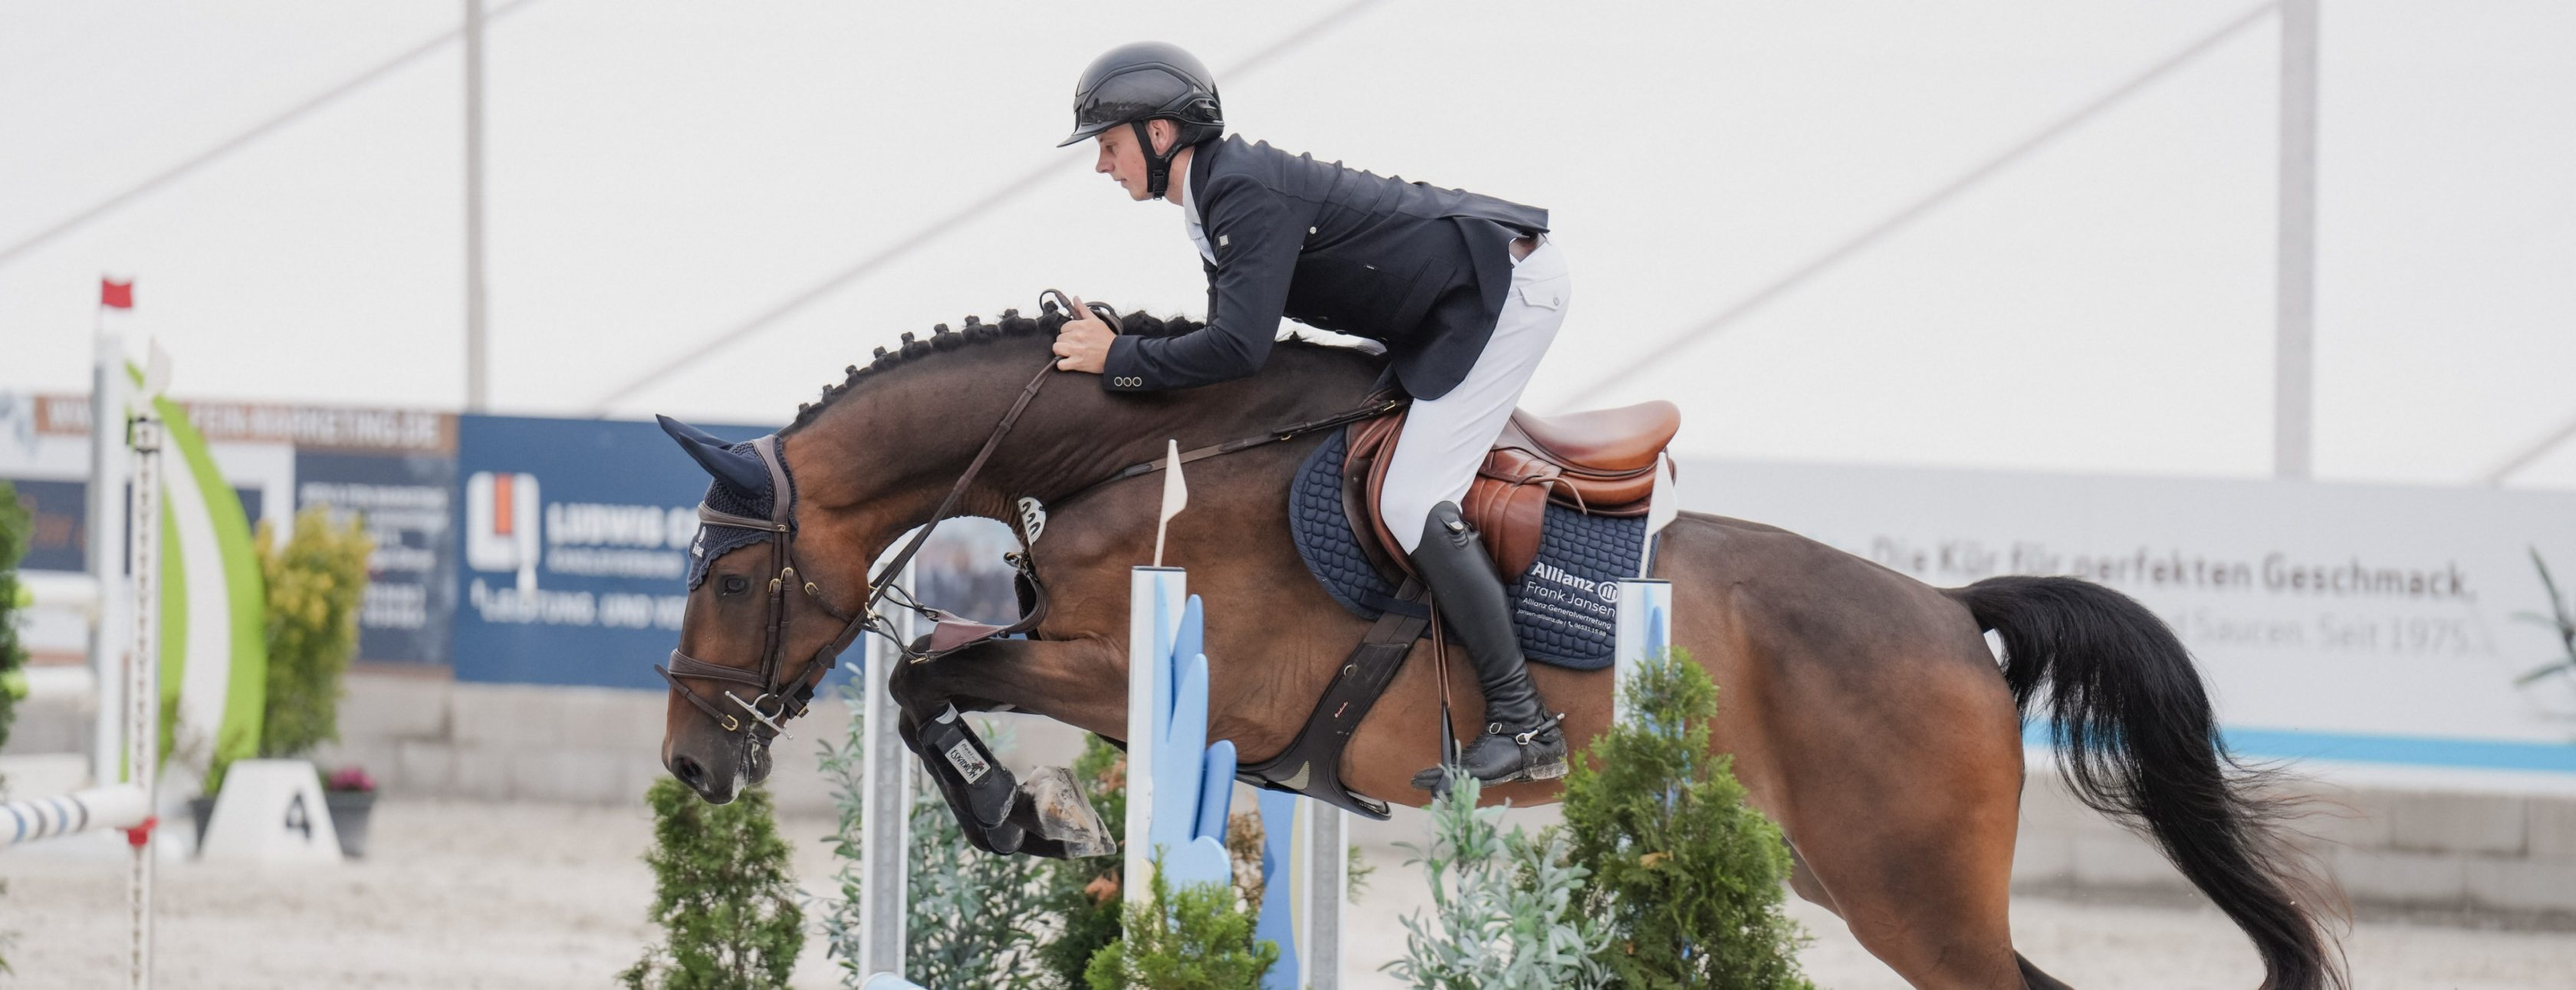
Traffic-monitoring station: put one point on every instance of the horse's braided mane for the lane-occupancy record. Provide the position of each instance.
(1011, 325)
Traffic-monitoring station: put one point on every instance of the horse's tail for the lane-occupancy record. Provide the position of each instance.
(2137, 741)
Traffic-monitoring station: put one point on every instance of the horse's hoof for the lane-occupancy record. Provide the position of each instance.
(1062, 814)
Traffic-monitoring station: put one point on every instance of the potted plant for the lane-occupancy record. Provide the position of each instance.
(352, 797)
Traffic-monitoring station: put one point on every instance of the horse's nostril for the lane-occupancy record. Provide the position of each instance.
(687, 770)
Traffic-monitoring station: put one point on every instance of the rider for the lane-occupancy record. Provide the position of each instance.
(1465, 291)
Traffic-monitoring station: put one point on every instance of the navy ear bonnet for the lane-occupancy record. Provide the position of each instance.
(743, 486)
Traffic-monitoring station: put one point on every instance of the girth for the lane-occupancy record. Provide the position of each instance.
(1312, 763)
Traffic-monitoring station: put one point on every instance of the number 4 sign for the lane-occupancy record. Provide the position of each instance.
(271, 811)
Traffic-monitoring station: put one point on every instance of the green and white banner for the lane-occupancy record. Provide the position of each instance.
(214, 655)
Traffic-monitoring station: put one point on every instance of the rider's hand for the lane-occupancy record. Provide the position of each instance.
(1083, 344)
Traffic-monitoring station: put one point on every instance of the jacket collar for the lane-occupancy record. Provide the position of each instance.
(1199, 159)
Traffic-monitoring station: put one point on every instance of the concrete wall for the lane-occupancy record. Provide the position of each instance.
(2451, 850)
(502, 742)
(2444, 850)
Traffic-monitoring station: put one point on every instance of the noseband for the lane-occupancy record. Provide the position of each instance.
(779, 699)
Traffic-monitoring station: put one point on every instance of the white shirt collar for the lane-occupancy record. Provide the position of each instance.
(1188, 205)
(1190, 217)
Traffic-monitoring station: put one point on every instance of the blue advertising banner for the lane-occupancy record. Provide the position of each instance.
(575, 538)
(407, 501)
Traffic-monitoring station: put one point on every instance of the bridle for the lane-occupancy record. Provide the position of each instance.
(781, 699)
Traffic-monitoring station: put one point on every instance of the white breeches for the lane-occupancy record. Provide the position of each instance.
(1445, 439)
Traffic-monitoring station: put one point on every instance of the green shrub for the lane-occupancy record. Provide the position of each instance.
(1082, 895)
(13, 545)
(1005, 921)
(722, 893)
(1506, 909)
(2560, 620)
(1196, 938)
(1687, 874)
(315, 583)
(967, 922)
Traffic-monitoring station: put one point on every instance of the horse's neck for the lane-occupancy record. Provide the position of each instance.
(882, 458)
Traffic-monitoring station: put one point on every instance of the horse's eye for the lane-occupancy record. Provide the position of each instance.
(734, 584)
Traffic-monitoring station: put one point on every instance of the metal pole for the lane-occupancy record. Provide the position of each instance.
(1326, 887)
(885, 874)
(477, 390)
(107, 468)
(2294, 355)
(143, 688)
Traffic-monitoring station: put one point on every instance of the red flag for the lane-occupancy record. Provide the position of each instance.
(116, 295)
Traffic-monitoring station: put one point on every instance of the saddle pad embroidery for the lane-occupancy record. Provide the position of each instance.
(1563, 607)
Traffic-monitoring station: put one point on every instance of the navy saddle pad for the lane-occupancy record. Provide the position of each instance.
(1564, 606)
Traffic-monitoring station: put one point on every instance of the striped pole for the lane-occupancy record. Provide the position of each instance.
(118, 806)
(143, 671)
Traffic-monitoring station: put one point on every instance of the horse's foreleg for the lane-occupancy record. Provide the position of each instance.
(1046, 815)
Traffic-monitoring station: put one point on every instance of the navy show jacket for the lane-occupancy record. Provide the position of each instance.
(1419, 268)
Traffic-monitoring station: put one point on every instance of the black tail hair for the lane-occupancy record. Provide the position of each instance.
(2137, 741)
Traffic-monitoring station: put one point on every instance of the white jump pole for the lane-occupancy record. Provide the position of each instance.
(1643, 629)
(122, 616)
(885, 874)
(108, 459)
(143, 669)
(1323, 887)
(117, 806)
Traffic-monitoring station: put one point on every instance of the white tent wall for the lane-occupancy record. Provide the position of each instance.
(659, 173)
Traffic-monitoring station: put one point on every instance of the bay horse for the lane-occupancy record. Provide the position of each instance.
(1864, 710)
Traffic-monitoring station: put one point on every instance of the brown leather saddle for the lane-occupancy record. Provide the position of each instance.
(1601, 462)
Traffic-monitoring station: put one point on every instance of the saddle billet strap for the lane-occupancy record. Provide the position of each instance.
(1312, 763)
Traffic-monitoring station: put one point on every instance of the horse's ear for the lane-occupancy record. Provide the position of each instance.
(744, 472)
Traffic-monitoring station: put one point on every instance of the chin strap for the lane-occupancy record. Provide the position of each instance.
(1158, 168)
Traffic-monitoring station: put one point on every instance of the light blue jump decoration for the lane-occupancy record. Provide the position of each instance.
(1278, 921)
(1178, 785)
(1642, 629)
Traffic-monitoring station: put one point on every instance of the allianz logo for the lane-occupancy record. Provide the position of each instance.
(1607, 591)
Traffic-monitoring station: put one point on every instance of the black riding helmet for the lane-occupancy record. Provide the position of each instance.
(1146, 80)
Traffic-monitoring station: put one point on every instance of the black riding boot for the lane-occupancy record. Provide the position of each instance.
(1521, 740)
